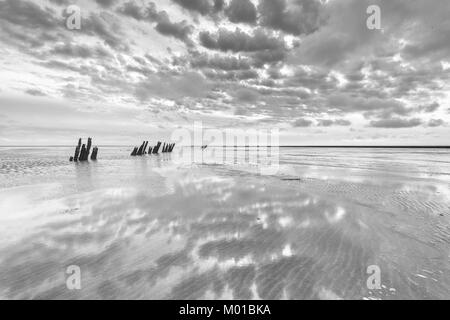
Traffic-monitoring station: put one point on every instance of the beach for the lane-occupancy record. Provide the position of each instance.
(166, 227)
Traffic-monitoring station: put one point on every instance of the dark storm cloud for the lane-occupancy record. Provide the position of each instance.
(396, 123)
(241, 11)
(292, 16)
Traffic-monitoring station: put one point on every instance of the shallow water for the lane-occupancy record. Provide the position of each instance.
(171, 226)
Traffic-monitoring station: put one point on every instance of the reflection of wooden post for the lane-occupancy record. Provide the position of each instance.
(150, 150)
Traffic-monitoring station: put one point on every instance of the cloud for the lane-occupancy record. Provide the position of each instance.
(260, 46)
(35, 92)
(436, 123)
(202, 7)
(372, 106)
(131, 9)
(240, 41)
(221, 62)
(79, 51)
(241, 11)
(302, 123)
(296, 17)
(179, 30)
(396, 123)
(107, 28)
(28, 14)
(338, 122)
(430, 108)
(170, 86)
(246, 95)
(106, 3)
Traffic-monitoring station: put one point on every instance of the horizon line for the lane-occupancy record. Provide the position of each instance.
(253, 146)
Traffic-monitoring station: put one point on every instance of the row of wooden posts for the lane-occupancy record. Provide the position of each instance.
(82, 151)
(142, 150)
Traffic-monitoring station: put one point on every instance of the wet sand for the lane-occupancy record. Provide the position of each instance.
(158, 228)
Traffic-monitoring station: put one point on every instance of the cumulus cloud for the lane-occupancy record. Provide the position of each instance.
(429, 108)
(106, 3)
(180, 30)
(202, 7)
(302, 123)
(240, 41)
(35, 92)
(261, 46)
(222, 62)
(242, 11)
(436, 123)
(291, 16)
(329, 123)
(28, 14)
(396, 123)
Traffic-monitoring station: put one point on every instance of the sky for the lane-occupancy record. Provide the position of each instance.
(140, 70)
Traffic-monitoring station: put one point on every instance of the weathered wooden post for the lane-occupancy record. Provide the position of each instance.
(94, 154)
(77, 151)
(83, 153)
(145, 147)
(88, 149)
(134, 152)
(156, 148)
(139, 153)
